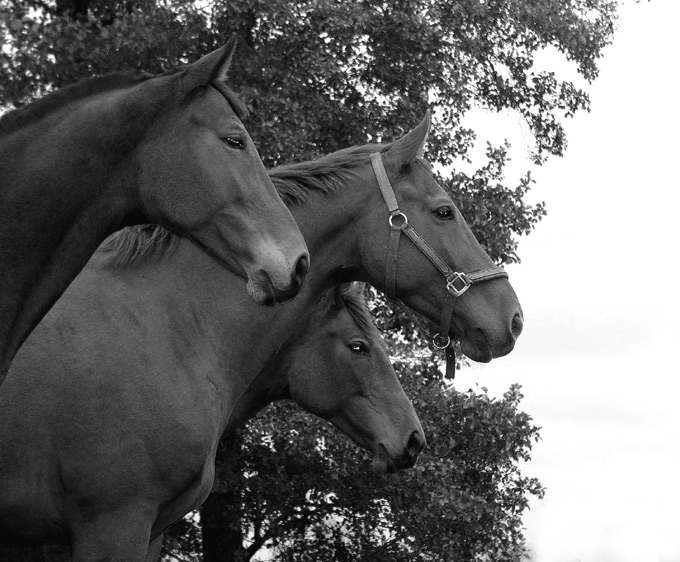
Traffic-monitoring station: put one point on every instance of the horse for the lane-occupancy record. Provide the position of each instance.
(337, 369)
(85, 160)
(143, 313)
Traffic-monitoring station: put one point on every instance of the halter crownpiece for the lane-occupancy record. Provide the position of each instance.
(456, 282)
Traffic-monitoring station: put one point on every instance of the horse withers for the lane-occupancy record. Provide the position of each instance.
(63, 454)
(170, 149)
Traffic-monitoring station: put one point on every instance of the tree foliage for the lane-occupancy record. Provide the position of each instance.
(334, 72)
(319, 75)
(310, 495)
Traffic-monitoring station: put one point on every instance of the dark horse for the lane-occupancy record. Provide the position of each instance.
(85, 160)
(145, 310)
(338, 368)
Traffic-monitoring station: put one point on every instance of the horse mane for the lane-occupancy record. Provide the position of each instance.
(92, 86)
(147, 243)
(57, 99)
(134, 245)
(295, 183)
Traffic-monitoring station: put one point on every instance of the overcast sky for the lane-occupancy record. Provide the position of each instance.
(598, 359)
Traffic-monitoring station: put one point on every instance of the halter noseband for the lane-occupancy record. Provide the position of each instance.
(456, 282)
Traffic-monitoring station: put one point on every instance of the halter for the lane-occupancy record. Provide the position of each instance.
(456, 282)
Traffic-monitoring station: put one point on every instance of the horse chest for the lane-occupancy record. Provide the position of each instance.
(187, 499)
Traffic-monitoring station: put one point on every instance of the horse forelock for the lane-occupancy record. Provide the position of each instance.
(358, 310)
(354, 302)
(238, 106)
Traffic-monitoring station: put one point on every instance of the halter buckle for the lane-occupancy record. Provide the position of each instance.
(457, 284)
(398, 215)
(441, 342)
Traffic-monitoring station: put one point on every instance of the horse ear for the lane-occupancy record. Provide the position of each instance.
(339, 293)
(210, 68)
(411, 145)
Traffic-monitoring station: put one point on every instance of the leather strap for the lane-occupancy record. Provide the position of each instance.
(397, 222)
(441, 339)
(450, 354)
(449, 351)
(384, 183)
(429, 252)
(486, 274)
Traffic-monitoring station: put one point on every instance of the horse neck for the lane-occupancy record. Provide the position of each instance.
(336, 225)
(268, 385)
(63, 188)
(29, 289)
(248, 336)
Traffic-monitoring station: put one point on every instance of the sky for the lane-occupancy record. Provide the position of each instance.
(598, 359)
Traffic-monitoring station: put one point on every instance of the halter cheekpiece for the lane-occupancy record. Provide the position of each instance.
(456, 282)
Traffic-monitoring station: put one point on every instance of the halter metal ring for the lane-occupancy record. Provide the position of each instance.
(440, 342)
(398, 214)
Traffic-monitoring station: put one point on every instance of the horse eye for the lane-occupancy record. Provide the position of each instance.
(444, 213)
(358, 347)
(234, 142)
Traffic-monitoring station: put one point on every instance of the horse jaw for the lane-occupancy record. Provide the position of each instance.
(478, 350)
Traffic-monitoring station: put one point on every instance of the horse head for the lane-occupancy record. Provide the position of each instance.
(339, 370)
(201, 176)
(441, 260)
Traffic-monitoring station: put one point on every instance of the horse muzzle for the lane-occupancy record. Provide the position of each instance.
(387, 464)
(262, 289)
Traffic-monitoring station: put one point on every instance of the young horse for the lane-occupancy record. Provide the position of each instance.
(186, 322)
(81, 162)
(337, 369)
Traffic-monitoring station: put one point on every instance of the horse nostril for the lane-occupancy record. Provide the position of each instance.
(301, 269)
(415, 444)
(517, 325)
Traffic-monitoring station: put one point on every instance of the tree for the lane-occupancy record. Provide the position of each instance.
(319, 75)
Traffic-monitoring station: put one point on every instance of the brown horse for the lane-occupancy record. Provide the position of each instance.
(338, 369)
(83, 161)
(172, 312)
